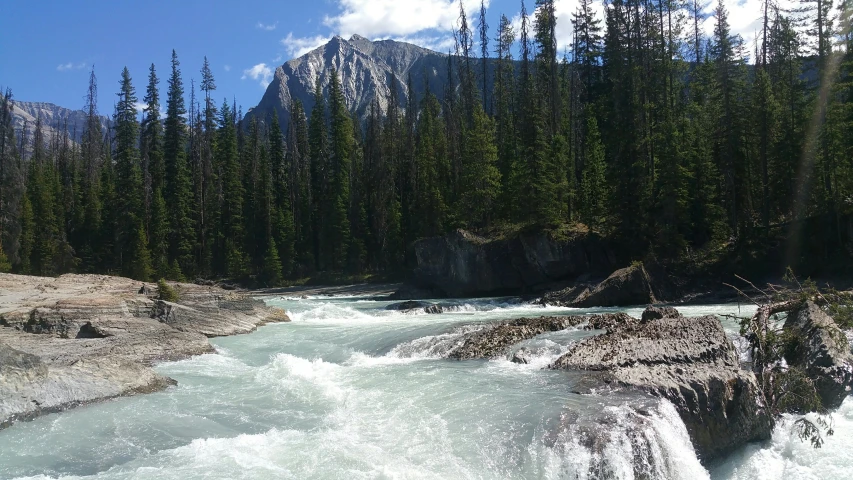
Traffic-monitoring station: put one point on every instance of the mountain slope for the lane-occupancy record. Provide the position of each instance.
(55, 120)
(367, 71)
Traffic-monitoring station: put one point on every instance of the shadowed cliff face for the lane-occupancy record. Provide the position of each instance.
(461, 264)
(368, 71)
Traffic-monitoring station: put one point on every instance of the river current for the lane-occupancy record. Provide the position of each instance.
(350, 390)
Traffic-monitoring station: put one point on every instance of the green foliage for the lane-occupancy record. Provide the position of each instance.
(139, 265)
(5, 264)
(668, 152)
(165, 292)
(271, 273)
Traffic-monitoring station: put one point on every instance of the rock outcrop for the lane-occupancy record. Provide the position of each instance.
(496, 339)
(83, 338)
(690, 362)
(823, 351)
(627, 286)
(461, 264)
(653, 313)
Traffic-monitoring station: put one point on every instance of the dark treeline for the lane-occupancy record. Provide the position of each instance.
(645, 131)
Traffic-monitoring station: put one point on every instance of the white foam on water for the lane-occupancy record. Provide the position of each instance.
(407, 415)
(653, 445)
(434, 346)
(789, 458)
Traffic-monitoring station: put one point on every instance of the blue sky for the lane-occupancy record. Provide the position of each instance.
(49, 46)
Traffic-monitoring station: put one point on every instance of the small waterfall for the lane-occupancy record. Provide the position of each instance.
(642, 438)
(435, 346)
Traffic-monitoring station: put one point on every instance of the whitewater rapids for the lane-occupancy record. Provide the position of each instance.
(350, 390)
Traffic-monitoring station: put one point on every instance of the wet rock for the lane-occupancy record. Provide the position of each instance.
(610, 321)
(522, 356)
(83, 338)
(653, 313)
(823, 352)
(31, 386)
(628, 286)
(496, 340)
(409, 305)
(690, 362)
(565, 297)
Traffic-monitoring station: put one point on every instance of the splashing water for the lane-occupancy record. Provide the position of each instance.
(352, 390)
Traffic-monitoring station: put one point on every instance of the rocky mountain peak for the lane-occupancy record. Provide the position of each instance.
(367, 69)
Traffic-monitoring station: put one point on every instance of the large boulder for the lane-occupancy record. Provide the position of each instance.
(628, 286)
(461, 264)
(654, 312)
(823, 351)
(690, 362)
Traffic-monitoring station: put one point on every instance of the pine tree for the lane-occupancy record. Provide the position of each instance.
(12, 194)
(284, 231)
(480, 176)
(151, 143)
(593, 186)
(158, 235)
(271, 275)
(232, 227)
(129, 186)
(505, 132)
(178, 183)
(301, 185)
(139, 266)
(319, 152)
(336, 226)
(44, 246)
(433, 171)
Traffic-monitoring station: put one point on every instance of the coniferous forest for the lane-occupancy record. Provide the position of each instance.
(645, 132)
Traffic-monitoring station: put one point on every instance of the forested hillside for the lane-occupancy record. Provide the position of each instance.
(646, 132)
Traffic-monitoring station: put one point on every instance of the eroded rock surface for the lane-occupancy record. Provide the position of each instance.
(83, 338)
(692, 363)
(496, 340)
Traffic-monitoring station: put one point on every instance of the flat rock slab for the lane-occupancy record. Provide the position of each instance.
(79, 339)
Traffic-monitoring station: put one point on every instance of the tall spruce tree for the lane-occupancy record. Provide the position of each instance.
(178, 191)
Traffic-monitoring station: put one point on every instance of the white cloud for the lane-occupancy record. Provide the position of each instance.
(442, 44)
(376, 18)
(260, 72)
(267, 27)
(428, 23)
(140, 108)
(227, 68)
(71, 66)
(298, 46)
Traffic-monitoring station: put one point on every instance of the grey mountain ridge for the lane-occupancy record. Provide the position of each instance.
(368, 69)
(54, 120)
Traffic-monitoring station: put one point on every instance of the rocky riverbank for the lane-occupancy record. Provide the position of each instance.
(80, 339)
